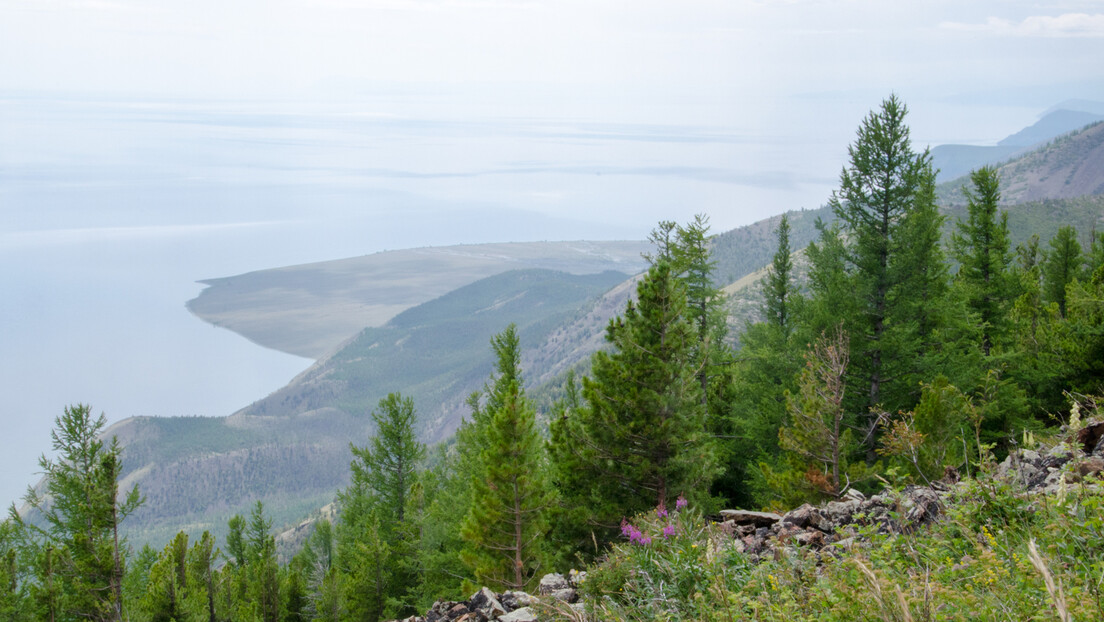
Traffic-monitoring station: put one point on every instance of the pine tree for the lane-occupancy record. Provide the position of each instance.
(1062, 266)
(507, 519)
(81, 514)
(982, 249)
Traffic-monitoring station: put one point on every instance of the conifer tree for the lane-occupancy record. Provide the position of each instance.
(382, 475)
(1062, 266)
(982, 249)
(506, 523)
(778, 286)
(81, 510)
(641, 438)
(386, 467)
(879, 189)
(816, 428)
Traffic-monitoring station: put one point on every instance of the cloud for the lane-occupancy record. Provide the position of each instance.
(1060, 26)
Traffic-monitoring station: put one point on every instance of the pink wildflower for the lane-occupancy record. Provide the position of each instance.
(681, 502)
(668, 531)
(661, 511)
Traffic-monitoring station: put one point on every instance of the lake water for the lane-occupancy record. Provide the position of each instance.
(111, 210)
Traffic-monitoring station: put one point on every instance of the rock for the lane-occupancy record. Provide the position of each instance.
(1091, 438)
(805, 516)
(439, 610)
(553, 581)
(516, 600)
(840, 513)
(556, 586)
(747, 517)
(525, 614)
(854, 495)
(486, 603)
(923, 506)
(811, 537)
(1092, 465)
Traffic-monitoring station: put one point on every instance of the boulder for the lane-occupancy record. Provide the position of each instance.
(1091, 438)
(805, 516)
(747, 517)
(556, 586)
(486, 603)
(516, 600)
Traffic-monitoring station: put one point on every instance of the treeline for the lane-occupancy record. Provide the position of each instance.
(898, 359)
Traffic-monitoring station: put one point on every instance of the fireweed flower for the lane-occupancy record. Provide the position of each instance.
(668, 531)
(681, 502)
(661, 511)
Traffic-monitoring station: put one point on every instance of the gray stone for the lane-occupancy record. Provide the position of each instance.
(516, 600)
(525, 614)
(805, 516)
(553, 581)
(485, 602)
(747, 517)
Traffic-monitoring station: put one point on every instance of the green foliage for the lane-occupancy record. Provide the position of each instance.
(1063, 266)
(885, 199)
(385, 468)
(511, 498)
(640, 440)
(82, 557)
(981, 247)
(779, 287)
(997, 555)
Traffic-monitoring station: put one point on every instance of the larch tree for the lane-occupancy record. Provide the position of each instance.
(511, 497)
(641, 438)
(778, 285)
(1062, 266)
(880, 188)
(981, 247)
(81, 514)
(383, 473)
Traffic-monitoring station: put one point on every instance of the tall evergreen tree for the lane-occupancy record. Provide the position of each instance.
(387, 465)
(506, 523)
(879, 189)
(81, 513)
(376, 499)
(982, 249)
(641, 438)
(778, 287)
(1063, 265)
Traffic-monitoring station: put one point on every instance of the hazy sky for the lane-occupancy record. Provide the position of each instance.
(146, 144)
(724, 50)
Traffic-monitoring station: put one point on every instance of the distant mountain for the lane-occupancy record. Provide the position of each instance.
(1052, 125)
(1068, 167)
(954, 161)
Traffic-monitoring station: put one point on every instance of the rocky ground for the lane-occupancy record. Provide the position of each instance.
(829, 529)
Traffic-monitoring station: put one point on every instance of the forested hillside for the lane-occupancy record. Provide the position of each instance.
(919, 346)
